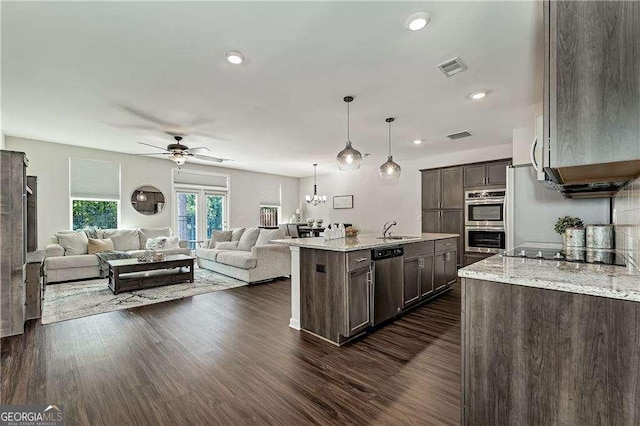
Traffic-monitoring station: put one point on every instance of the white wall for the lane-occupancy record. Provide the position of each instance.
(50, 162)
(377, 201)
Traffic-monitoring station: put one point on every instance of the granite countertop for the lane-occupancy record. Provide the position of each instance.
(361, 242)
(615, 282)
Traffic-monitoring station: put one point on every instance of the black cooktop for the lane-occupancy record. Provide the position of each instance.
(569, 254)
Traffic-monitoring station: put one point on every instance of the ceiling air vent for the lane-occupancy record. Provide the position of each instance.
(459, 135)
(452, 67)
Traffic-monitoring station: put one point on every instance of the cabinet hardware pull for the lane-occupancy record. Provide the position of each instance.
(362, 259)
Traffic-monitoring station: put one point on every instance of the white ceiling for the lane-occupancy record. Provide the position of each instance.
(70, 69)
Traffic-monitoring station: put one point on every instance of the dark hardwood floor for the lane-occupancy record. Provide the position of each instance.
(230, 358)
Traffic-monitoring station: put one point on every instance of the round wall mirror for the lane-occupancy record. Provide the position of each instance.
(147, 200)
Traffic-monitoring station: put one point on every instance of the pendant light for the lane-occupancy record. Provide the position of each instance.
(141, 196)
(315, 199)
(349, 159)
(390, 169)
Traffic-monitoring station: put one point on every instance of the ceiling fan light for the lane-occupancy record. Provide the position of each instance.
(179, 159)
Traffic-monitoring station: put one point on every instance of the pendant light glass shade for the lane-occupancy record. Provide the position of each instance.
(141, 196)
(315, 199)
(349, 158)
(390, 169)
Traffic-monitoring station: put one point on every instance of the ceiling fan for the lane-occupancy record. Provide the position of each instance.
(178, 152)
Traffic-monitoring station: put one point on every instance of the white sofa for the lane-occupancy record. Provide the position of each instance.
(60, 266)
(247, 255)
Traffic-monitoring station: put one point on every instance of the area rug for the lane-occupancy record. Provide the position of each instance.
(91, 297)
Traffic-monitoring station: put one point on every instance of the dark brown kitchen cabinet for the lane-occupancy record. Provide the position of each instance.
(474, 175)
(483, 174)
(442, 189)
(426, 277)
(430, 189)
(411, 281)
(446, 222)
(358, 296)
(592, 86)
(451, 196)
(444, 269)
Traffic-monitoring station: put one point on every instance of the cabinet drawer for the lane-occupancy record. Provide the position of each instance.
(358, 259)
(417, 249)
(444, 245)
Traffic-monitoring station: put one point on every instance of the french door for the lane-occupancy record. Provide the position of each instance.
(199, 213)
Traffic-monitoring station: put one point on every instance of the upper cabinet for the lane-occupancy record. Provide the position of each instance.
(484, 174)
(592, 90)
(441, 189)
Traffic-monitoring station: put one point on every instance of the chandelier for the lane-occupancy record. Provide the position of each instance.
(315, 199)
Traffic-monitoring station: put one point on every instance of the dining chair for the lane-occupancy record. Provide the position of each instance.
(285, 228)
(293, 230)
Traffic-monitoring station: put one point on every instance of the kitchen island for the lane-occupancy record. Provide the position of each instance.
(550, 342)
(333, 283)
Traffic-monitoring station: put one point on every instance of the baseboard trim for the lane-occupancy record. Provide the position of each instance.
(294, 323)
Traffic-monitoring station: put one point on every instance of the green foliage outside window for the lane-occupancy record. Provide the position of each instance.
(94, 213)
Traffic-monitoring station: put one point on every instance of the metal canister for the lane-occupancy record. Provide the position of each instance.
(600, 236)
(575, 237)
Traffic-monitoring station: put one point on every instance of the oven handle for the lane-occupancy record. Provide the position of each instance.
(485, 201)
(484, 228)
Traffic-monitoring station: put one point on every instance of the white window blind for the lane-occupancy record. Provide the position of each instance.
(185, 178)
(96, 180)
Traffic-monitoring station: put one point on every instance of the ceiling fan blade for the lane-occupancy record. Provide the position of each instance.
(153, 146)
(199, 150)
(154, 153)
(207, 158)
(144, 115)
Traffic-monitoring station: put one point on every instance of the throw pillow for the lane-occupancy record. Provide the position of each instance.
(172, 243)
(267, 235)
(146, 233)
(163, 243)
(157, 243)
(124, 239)
(97, 245)
(226, 245)
(248, 239)
(236, 234)
(74, 243)
(219, 236)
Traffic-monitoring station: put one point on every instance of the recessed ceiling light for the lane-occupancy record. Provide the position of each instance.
(234, 57)
(478, 95)
(417, 141)
(418, 21)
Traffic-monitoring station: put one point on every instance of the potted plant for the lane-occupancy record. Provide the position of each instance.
(566, 222)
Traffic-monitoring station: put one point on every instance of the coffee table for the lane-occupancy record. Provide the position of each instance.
(129, 274)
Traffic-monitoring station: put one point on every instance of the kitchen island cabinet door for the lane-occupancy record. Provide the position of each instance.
(450, 267)
(358, 297)
(426, 277)
(411, 281)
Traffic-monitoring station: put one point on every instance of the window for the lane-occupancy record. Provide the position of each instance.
(94, 213)
(94, 189)
(269, 215)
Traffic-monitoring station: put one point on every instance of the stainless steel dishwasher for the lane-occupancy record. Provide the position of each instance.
(387, 283)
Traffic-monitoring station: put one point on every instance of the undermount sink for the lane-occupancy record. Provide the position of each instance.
(397, 237)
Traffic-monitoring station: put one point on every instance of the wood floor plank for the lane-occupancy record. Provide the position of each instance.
(230, 358)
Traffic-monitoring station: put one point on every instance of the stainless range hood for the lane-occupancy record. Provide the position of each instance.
(593, 180)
